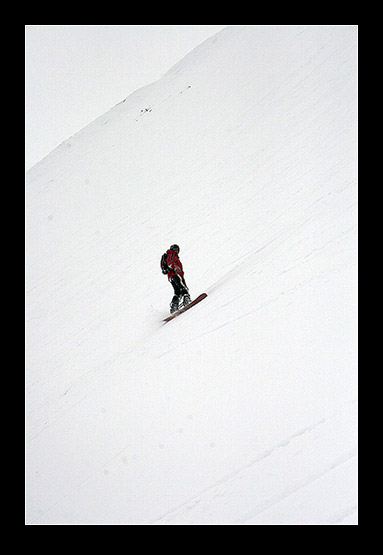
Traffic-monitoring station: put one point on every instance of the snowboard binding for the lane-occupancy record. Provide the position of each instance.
(175, 305)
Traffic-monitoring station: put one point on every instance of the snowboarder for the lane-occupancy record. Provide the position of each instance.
(173, 266)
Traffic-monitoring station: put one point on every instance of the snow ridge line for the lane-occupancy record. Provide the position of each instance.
(293, 489)
(266, 453)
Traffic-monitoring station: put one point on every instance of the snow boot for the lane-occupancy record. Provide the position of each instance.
(174, 305)
(186, 299)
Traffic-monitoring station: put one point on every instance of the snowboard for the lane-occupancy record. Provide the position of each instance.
(185, 308)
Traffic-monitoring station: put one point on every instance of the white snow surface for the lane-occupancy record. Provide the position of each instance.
(243, 410)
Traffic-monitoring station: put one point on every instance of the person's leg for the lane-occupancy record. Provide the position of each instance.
(175, 281)
(180, 290)
(185, 291)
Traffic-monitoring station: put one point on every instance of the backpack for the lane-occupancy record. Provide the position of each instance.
(164, 267)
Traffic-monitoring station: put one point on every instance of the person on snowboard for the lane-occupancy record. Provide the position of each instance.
(176, 278)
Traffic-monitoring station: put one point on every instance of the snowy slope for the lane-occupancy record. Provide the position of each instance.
(242, 410)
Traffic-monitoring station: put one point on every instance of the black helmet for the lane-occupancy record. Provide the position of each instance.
(175, 248)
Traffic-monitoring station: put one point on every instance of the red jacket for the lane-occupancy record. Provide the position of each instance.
(174, 264)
